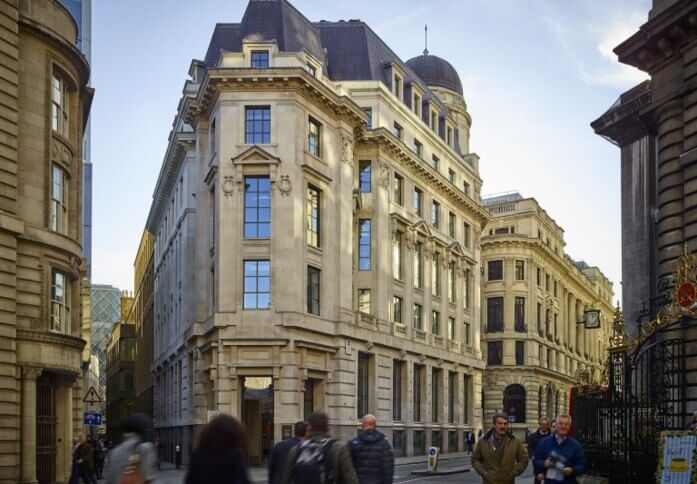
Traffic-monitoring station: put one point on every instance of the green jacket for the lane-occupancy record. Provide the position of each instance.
(85, 456)
(339, 458)
(513, 463)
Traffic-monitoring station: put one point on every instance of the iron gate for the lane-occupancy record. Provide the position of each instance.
(46, 428)
(647, 391)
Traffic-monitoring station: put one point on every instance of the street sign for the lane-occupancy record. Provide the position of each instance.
(93, 418)
(92, 397)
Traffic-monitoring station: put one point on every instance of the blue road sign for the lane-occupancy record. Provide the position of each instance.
(93, 418)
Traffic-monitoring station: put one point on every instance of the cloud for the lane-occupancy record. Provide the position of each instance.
(401, 19)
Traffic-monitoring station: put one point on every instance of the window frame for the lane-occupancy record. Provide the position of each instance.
(314, 290)
(256, 292)
(495, 314)
(493, 264)
(494, 348)
(60, 115)
(258, 115)
(259, 56)
(398, 189)
(365, 176)
(258, 208)
(313, 208)
(314, 137)
(59, 209)
(59, 306)
(362, 243)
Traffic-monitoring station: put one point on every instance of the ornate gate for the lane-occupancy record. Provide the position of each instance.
(46, 428)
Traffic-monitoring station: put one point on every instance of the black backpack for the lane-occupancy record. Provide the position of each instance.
(312, 462)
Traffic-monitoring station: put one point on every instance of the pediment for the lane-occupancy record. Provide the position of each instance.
(255, 155)
(456, 248)
(423, 228)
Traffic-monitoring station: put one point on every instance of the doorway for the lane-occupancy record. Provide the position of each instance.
(46, 428)
(257, 415)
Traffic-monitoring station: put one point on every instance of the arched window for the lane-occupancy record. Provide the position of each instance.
(514, 403)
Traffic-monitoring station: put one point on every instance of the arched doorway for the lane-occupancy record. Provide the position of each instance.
(514, 403)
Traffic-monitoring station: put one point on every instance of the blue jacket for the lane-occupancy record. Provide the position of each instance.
(570, 449)
(279, 455)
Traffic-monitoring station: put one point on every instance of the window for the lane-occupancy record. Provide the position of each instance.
(398, 189)
(466, 288)
(435, 163)
(435, 394)
(364, 244)
(520, 353)
(547, 282)
(419, 442)
(519, 315)
(503, 230)
(397, 255)
(466, 384)
(369, 121)
(467, 330)
(451, 328)
(451, 224)
(311, 70)
(494, 314)
(417, 201)
(466, 228)
(397, 368)
(417, 105)
(539, 319)
(313, 136)
(417, 148)
(363, 383)
(313, 216)
(466, 187)
(556, 327)
(451, 175)
(257, 207)
(60, 302)
(555, 288)
(449, 136)
(397, 91)
(418, 322)
(514, 403)
(434, 120)
(260, 58)
(550, 358)
(397, 130)
(435, 274)
(257, 125)
(313, 285)
(364, 301)
(419, 371)
(451, 283)
(435, 323)
(59, 199)
(519, 270)
(212, 143)
(399, 443)
(418, 266)
(435, 213)
(397, 309)
(494, 352)
(59, 105)
(364, 176)
(495, 270)
(539, 277)
(452, 378)
(257, 287)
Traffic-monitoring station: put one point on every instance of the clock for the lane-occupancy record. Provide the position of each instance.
(592, 319)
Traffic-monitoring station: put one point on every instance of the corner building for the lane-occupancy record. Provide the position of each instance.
(535, 299)
(316, 225)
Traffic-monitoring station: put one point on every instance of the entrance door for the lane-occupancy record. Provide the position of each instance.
(257, 415)
(46, 429)
(252, 420)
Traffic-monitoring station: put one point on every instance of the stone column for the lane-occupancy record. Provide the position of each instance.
(28, 409)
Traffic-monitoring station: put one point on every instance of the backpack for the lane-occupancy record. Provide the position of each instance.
(131, 474)
(312, 462)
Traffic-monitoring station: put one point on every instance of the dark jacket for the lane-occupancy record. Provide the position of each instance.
(372, 457)
(208, 467)
(534, 440)
(513, 461)
(279, 454)
(570, 449)
(85, 456)
(338, 457)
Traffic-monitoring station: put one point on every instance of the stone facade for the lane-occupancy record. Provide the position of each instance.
(120, 390)
(291, 256)
(533, 297)
(142, 317)
(44, 110)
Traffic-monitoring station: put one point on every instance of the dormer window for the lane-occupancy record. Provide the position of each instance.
(311, 70)
(260, 59)
(449, 135)
(434, 120)
(397, 86)
(417, 104)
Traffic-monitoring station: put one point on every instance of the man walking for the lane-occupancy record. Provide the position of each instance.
(470, 442)
(535, 438)
(371, 454)
(279, 454)
(319, 459)
(560, 457)
(85, 461)
(499, 456)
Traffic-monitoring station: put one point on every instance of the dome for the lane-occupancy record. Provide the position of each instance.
(435, 71)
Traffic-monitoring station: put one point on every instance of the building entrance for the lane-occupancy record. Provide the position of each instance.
(46, 428)
(257, 415)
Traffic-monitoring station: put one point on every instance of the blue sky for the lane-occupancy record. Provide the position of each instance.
(535, 74)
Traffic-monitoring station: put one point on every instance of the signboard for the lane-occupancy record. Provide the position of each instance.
(93, 418)
(286, 431)
(92, 397)
(432, 459)
(677, 458)
(591, 318)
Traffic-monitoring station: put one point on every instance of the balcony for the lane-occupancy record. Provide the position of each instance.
(419, 335)
(438, 340)
(399, 329)
(453, 346)
(366, 319)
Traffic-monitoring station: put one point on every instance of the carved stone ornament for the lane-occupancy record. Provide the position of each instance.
(30, 373)
(383, 174)
(228, 185)
(347, 149)
(410, 238)
(284, 185)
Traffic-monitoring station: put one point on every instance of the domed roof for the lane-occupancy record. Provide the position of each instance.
(435, 71)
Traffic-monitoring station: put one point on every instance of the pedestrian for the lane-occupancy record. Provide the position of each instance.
(218, 457)
(158, 451)
(319, 459)
(559, 456)
(470, 442)
(371, 454)
(499, 456)
(75, 469)
(85, 461)
(279, 454)
(134, 458)
(178, 456)
(99, 454)
(534, 440)
(479, 435)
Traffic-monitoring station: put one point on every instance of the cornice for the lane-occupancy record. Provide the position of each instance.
(57, 339)
(388, 142)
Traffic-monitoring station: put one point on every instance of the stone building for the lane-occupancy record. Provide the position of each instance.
(533, 297)
(45, 104)
(317, 224)
(120, 390)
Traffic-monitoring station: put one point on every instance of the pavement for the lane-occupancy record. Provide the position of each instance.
(455, 469)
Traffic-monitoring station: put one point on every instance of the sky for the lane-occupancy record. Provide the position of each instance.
(535, 74)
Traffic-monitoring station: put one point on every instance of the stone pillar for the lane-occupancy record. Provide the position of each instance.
(64, 427)
(28, 441)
